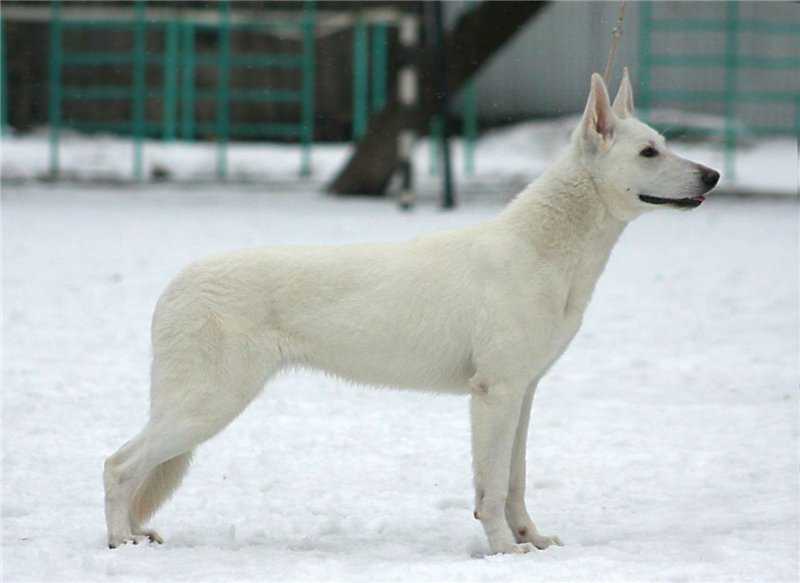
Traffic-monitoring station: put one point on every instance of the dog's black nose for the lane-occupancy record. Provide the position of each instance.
(709, 177)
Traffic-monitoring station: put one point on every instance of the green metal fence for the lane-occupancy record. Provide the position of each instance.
(178, 90)
(469, 125)
(3, 81)
(360, 79)
(731, 61)
(370, 71)
(469, 131)
(370, 86)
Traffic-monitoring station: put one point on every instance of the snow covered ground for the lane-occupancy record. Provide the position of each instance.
(505, 159)
(663, 445)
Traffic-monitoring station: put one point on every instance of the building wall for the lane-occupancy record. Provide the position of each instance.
(544, 71)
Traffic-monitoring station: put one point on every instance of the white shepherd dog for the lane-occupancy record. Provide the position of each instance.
(485, 310)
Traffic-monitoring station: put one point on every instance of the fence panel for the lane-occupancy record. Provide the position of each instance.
(731, 57)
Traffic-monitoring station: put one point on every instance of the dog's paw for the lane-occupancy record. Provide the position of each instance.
(513, 549)
(540, 541)
(151, 535)
(137, 538)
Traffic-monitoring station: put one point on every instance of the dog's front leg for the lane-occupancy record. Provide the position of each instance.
(517, 515)
(494, 411)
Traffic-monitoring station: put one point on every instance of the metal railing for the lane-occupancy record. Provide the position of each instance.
(731, 61)
(469, 125)
(178, 90)
(3, 81)
(169, 105)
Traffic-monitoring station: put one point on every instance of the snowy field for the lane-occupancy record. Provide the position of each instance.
(663, 445)
(506, 159)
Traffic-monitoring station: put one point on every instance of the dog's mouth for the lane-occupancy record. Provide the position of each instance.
(691, 202)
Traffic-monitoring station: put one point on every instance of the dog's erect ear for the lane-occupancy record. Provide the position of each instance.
(597, 124)
(623, 102)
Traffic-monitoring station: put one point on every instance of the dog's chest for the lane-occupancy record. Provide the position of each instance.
(583, 281)
(588, 266)
(584, 273)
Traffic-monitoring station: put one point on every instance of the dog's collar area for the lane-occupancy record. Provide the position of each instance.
(679, 202)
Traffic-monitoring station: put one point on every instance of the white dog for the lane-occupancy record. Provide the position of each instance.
(485, 310)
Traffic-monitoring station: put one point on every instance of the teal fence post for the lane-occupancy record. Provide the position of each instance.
(731, 84)
(170, 65)
(797, 116)
(379, 64)
(223, 92)
(55, 86)
(309, 65)
(187, 82)
(360, 80)
(3, 81)
(139, 89)
(645, 50)
(470, 121)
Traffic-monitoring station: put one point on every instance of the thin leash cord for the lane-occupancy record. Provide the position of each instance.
(616, 34)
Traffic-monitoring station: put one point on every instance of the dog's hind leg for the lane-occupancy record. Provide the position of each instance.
(128, 469)
(190, 404)
(516, 514)
(145, 472)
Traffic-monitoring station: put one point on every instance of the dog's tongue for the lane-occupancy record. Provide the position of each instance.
(700, 198)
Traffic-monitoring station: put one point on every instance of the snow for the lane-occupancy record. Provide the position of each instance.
(663, 445)
(506, 159)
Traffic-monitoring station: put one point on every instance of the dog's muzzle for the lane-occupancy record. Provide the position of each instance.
(691, 202)
(708, 178)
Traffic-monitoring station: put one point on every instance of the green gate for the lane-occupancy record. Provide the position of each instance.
(3, 81)
(731, 60)
(178, 90)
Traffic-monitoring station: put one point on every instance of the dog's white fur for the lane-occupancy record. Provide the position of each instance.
(485, 310)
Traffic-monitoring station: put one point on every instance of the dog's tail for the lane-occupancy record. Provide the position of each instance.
(158, 486)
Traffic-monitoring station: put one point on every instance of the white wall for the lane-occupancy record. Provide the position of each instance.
(545, 69)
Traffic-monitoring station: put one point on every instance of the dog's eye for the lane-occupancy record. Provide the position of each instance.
(649, 152)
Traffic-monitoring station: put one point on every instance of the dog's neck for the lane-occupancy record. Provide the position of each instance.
(563, 211)
(565, 219)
